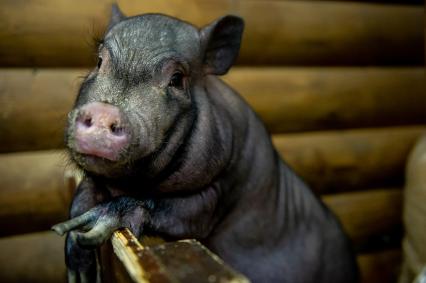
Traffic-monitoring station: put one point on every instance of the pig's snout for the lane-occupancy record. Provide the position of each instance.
(100, 131)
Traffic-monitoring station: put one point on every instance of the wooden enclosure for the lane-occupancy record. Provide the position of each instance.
(339, 84)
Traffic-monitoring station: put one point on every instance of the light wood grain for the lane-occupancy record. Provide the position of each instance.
(32, 258)
(337, 161)
(35, 191)
(34, 105)
(306, 99)
(177, 262)
(368, 215)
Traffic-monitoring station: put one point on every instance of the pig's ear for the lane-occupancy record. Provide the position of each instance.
(116, 16)
(221, 41)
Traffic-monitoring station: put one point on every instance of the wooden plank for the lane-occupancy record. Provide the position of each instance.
(32, 258)
(383, 266)
(339, 161)
(58, 33)
(178, 262)
(369, 217)
(35, 191)
(287, 99)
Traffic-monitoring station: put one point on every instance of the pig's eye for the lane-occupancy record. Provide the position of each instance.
(177, 80)
(99, 62)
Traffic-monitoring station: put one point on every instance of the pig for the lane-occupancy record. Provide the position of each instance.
(169, 149)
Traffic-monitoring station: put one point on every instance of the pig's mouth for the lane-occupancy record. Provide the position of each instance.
(97, 157)
(98, 149)
(98, 165)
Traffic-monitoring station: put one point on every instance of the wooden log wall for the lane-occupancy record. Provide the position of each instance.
(59, 33)
(339, 84)
(36, 189)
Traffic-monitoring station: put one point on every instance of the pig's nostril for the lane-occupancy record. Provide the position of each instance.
(116, 130)
(87, 122)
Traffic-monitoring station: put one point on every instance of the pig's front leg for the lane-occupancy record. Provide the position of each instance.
(190, 216)
(81, 262)
(187, 216)
(90, 229)
(95, 226)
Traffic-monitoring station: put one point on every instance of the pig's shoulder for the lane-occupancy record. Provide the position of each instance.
(221, 92)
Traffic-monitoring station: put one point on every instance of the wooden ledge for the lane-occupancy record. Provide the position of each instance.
(177, 262)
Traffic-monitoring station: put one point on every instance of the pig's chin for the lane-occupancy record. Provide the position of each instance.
(99, 165)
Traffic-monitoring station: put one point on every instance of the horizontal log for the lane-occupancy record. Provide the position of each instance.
(369, 216)
(34, 103)
(57, 33)
(383, 266)
(306, 99)
(32, 258)
(35, 191)
(348, 160)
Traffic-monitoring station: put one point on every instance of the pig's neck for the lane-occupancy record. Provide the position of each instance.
(193, 158)
(208, 149)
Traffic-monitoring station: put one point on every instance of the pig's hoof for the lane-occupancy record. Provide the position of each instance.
(83, 276)
(82, 222)
(99, 233)
(82, 263)
(96, 225)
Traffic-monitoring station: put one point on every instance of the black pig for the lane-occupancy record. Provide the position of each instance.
(169, 149)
